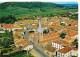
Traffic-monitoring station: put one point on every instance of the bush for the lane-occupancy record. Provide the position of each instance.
(62, 35)
(52, 29)
(69, 24)
(63, 24)
(18, 52)
(7, 39)
(6, 50)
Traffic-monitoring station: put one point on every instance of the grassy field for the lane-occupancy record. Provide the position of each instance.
(22, 13)
(14, 11)
(22, 55)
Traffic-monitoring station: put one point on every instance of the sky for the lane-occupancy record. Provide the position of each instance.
(59, 2)
(1, 2)
(65, 2)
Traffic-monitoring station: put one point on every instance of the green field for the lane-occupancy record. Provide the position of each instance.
(19, 12)
(22, 55)
(30, 10)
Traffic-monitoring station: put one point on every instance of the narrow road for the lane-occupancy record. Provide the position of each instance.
(25, 35)
(38, 50)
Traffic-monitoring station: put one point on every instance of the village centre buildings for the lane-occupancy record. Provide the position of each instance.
(50, 43)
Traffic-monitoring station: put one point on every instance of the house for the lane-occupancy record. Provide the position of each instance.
(71, 33)
(60, 44)
(21, 31)
(48, 41)
(68, 39)
(74, 52)
(50, 51)
(24, 43)
(57, 44)
(65, 52)
(2, 31)
(6, 27)
(27, 47)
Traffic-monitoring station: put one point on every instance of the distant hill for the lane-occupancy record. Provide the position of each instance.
(27, 4)
(69, 5)
(35, 4)
(30, 10)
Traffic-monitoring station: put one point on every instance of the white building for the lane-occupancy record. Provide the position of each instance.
(28, 47)
(75, 52)
(57, 44)
(65, 52)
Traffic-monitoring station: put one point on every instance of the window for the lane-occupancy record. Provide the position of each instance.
(58, 53)
(70, 52)
(63, 55)
(38, 40)
(58, 56)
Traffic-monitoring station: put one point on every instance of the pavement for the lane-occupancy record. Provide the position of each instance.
(25, 35)
(40, 52)
(37, 49)
(35, 53)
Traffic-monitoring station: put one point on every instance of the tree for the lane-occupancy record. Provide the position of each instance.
(19, 36)
(69, 24)
(52, 29)
(20, 47)
(43, 10)
(8, 19)
(63, 24)
(63, 35)
(51, 15)
(46, 31)
(75, 42)
(7, 39)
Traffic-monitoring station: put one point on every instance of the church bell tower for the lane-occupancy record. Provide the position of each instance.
(40, 32)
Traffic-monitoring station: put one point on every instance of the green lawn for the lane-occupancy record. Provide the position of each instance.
(19, 55)
(23, 55)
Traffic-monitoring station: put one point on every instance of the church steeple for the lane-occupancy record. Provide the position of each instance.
(39, 28)
(40, 32)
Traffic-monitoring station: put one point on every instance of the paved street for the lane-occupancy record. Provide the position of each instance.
(38, 50)
(25, 35)
(35, 53)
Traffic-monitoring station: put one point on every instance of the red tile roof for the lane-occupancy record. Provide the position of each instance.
(8, 25)
(26, 44)
(64, 41)
(57, 41)
(34, 39)
(51, 35)
(49, 39)
(65, 50)
(50, 48)
(21, 42)
(12, 27)
(68, 38)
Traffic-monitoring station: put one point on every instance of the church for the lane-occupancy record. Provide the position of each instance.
(41, 40)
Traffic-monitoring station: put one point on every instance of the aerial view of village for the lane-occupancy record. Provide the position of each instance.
(38, 29)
